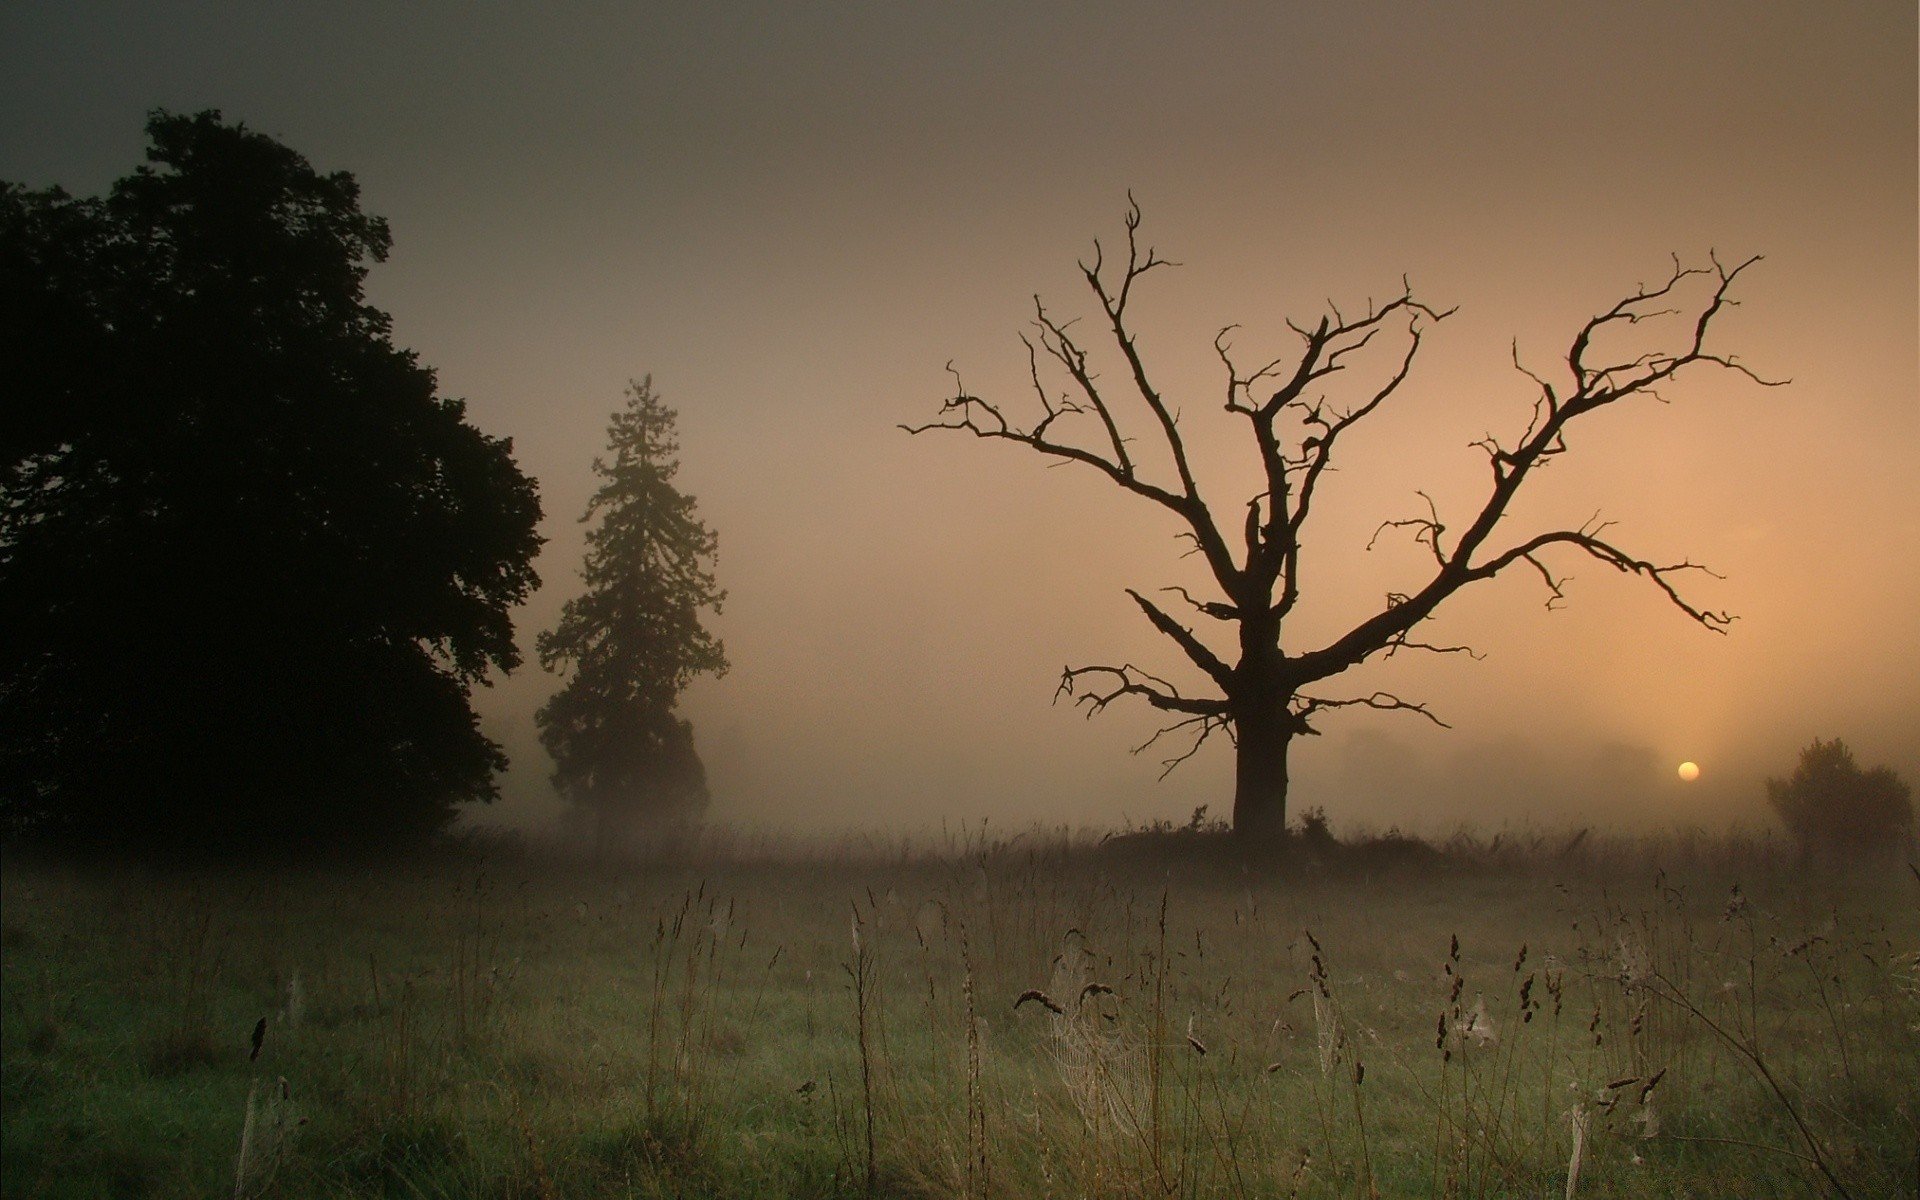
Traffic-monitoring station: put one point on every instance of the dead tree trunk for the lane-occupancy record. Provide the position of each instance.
(1260, 773)
(1296, 415)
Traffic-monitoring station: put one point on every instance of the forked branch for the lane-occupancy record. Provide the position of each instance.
(1596, 385)
(1586, 539)
(1306, 706)
(1129, 680)
(1204, 716)
(1114, 456)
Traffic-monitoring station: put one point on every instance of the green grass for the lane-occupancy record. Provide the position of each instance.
(517, 1027)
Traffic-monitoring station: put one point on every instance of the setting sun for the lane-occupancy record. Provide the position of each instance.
(1689, 771)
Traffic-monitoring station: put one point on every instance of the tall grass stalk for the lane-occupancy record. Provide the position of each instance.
(860, 971)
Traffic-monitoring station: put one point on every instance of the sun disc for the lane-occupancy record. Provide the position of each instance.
(1689, 771)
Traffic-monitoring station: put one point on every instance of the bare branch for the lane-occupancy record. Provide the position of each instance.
(1058, 343)
(1603, 385)
(1401, 642)
(1115, 306)
(1204, 715)
(1307, 706)
(1320, 447)
(1206, 725)
(1211, 608)
(1545, 439)
(1587, 539)
(1066, 406)
(1426, 530)
(985, 420)
(1183, 637)
(1136, 265)
(1239, 387)
(1326, 346)
(1129, 680)
(974, 415)
(1624, 311)
(1549, 399)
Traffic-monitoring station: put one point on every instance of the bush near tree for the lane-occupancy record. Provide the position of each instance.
(1834, 809)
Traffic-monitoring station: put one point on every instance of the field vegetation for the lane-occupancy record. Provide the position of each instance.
(1035, 1016)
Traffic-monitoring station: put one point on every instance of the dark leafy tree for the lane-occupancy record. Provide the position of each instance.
(251, 562)
(633, 639)
(1263, 690)
(1835, 810)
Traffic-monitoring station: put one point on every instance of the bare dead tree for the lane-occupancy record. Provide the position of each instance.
(1267, 696)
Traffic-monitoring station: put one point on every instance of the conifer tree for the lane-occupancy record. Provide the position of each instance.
(634, 639)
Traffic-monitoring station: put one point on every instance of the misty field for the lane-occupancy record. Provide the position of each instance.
(1028, 1018)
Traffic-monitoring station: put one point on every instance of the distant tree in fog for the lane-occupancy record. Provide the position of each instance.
(1836, 810)
(1261, 692)
(633, 640)
(251, 561)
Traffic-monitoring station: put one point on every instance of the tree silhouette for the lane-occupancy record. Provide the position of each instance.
(1265, 692)
(251, 562)
(633, 639)
(1836, 810)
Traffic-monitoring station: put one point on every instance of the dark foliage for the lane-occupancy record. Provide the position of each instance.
(1310, 845)
(634, 639)
(251, 562)
(1833, 808)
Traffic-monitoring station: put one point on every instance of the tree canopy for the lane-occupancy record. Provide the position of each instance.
(634, 639)
(251, 561)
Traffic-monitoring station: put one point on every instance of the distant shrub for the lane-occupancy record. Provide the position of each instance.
(1315, 833)
(1833, 808)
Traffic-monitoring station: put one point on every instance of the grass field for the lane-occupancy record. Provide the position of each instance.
(1034, 1018)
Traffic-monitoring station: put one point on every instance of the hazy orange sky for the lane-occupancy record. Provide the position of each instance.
(793, 215)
